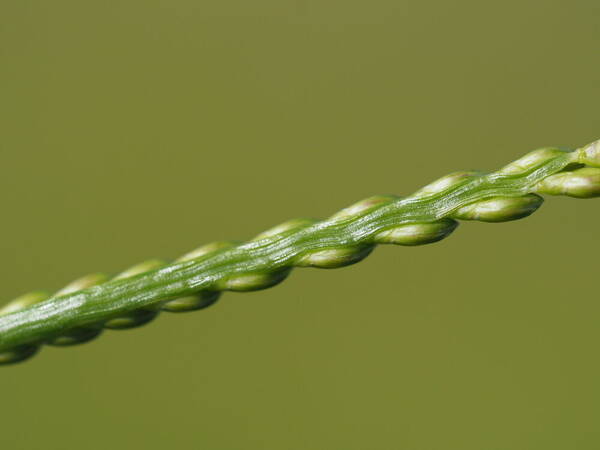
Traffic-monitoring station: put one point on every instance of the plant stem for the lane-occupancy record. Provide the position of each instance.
(79, 312)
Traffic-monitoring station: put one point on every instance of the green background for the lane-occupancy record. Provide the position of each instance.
(139, 129)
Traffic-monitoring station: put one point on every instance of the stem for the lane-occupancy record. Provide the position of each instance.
(79, 312)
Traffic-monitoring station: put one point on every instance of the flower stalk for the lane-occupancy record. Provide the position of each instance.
(83, 309)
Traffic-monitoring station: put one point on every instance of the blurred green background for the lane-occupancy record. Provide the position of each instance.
(139, 129)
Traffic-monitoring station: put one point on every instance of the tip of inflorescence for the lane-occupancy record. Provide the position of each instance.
(590, 154)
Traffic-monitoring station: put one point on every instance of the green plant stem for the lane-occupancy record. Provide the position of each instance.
(79, 313)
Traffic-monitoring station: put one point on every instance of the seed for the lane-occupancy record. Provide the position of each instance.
(334, 257)
(255, 281)
(284, 227)
(500, 209)
(418, 233)
(443, 184)
(531, 160)
(580, 183)
(192, 302)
